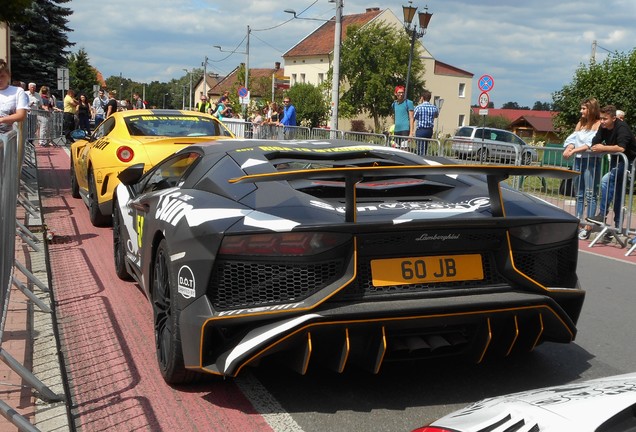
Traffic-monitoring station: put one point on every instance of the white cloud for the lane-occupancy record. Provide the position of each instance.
(530, 48)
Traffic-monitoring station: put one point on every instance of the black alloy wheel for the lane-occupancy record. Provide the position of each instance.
(166, 321)
(119, 246)
(96, 216)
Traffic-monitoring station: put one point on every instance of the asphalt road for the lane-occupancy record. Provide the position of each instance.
(107, 341)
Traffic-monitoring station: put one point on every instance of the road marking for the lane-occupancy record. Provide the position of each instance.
(265, 404)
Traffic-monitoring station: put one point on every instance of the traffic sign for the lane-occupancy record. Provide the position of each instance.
(483, 112)
(486, 83)
(484, 100)
(62, 79)
(242, 92)
(245, 100)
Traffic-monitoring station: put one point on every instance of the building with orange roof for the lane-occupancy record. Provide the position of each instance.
(531, 125)
(311, 58)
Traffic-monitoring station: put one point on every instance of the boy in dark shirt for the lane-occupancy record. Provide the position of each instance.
(614, 136)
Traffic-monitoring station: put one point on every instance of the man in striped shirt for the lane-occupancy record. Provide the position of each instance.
(424, 116)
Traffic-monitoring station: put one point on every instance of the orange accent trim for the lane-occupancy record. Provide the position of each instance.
(378, 364)
(536, 341)
(347, 349)
(514, 341)
(483, 354)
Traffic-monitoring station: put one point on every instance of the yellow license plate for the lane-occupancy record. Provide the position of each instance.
(413, 270)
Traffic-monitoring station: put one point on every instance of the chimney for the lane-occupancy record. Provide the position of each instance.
(373, 9)
(277, 65)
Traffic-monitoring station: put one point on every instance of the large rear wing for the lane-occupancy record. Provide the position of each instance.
(495, 174)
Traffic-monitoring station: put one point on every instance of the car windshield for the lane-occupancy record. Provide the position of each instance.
(173, 126)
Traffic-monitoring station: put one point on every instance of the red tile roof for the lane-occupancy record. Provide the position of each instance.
(541, 121)
(446, 69)
(231, 80)
(513, 114)
(320, 42)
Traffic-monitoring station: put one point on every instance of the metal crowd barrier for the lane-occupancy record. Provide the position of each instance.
(45, 127)
(14, 149)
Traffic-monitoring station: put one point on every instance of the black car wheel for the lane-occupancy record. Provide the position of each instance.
(482, 155)
(166, 321)
(96, 216)
(75, 193)
(526, 159)
(119, 247)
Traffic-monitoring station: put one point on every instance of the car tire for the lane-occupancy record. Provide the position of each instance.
(75, 193)
(526, 159)
(166, 320)
(479, 153)
(95, 215)
(119, 249)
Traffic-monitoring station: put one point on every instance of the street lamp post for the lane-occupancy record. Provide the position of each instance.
(415, 33)
(164, 100)
(190, 95)
(335, 79)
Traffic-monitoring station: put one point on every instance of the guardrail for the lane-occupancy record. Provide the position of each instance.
(45, 128)
(15, 150)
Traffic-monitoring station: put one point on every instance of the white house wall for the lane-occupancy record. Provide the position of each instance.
(443, 86)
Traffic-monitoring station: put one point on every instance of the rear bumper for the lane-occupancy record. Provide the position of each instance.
(367, 334)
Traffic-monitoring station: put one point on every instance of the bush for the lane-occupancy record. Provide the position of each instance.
(358, 126)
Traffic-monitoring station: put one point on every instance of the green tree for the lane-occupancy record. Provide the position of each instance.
(310, 103)
(542, 106)
(81, 74)
(610, 82)
(374, 61)
(498, 122)
(41, 46)
(12, 11)
(514, 105)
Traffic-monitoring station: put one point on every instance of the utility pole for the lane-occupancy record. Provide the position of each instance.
(335, 82)
(205, 76)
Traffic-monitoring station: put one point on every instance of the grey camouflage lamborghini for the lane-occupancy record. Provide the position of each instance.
(341, 254)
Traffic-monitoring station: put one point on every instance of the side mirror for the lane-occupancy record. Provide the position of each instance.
(132, 174)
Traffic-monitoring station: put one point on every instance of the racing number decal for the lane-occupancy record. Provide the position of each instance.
(140, 229)
(446, 268)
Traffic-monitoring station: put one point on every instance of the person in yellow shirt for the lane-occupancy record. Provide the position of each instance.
(70, 107)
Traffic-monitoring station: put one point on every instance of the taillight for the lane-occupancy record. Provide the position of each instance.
(282, 244)
(432, 429)
(125, 153)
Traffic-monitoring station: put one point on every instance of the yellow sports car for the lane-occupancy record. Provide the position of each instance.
(127, 138)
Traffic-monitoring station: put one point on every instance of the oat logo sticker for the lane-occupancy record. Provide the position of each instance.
(186, 282)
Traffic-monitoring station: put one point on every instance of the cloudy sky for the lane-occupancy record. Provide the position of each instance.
(530, 48)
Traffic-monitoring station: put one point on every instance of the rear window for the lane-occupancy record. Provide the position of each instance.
(173, 126)
(465, 132)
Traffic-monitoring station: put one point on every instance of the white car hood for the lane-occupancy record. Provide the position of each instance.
(577, 407)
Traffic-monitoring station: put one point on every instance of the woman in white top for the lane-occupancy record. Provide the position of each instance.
(585, 162)
(14, 102)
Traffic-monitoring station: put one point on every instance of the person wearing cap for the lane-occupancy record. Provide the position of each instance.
(403, 111)
(203, 105)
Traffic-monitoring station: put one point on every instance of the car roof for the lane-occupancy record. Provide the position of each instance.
(159, 112)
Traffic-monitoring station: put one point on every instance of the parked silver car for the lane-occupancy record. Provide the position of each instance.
(486, 143)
